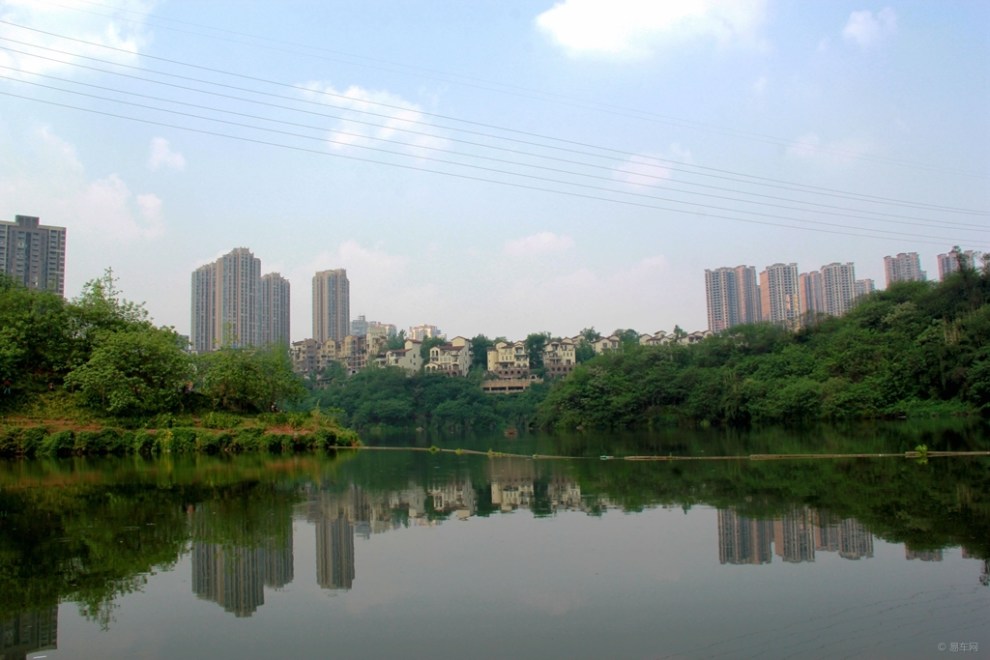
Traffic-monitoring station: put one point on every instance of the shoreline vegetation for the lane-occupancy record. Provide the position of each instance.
(273, 433)
(95, 376)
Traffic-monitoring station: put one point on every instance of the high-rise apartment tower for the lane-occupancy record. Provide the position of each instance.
(33, 254)
(838, 287)
(948, 263)
(905, 267)
(274, 309)
(732, 297)
(331, 305)
(780, 300)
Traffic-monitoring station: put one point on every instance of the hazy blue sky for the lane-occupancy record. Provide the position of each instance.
(496, 166)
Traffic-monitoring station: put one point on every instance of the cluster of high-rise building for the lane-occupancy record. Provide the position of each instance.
(233, 304)
(782, 295)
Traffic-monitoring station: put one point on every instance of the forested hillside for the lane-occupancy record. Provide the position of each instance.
(916, 348)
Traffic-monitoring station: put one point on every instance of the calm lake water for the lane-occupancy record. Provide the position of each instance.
(413, 554)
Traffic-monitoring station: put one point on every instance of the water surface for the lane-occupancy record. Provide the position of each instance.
(419, 554)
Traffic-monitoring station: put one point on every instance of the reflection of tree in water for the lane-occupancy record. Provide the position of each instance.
(83, 543)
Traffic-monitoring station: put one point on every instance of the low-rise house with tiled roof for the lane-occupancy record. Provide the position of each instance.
(409, 358)
(508, 359)
(559, 357)
(452, 359)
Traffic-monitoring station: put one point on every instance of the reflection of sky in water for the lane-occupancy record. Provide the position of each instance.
(646, 584)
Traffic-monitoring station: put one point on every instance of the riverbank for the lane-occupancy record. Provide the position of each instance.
(276, 433)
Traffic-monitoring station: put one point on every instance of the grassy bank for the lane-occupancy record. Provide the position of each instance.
(214, 433)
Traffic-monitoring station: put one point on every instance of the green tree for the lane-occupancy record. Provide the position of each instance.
(35, 342)
(397, 342)
(249, 379)
(479, 353)
(627, 338)
(535, 343)
(584, 351)
(101, 308)
(142, 370)
(590, 334)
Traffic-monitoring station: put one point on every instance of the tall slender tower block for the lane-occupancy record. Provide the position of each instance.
(331, 305)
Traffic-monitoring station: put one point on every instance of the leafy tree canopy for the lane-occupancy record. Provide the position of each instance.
(141, 370)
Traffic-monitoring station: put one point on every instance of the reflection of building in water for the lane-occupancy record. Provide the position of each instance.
(28, 632)
(985, 572)
(234, 576)
(796, 537)
(512, 482)
(855, 541)
(743, 540)
(923, 555)
(564, 494)
(335, 552)
(793, 536)
(456, 495)
(336, 515)
(278, 562)
(230, 576)
(848, 537)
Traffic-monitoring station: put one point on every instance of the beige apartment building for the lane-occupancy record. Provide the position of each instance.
(409, 358)
(452, 359)
(559, 357)
(508, 359)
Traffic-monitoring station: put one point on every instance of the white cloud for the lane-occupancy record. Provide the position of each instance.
(53, 182)
(651, 169)
(107, 207)
(866, 29)
(160, 155)
(544, 242)
(636, 28)
(118, 39)
(375, 118)
(841, 152)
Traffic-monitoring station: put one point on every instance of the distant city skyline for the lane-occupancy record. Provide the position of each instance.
(787, 296)
(498, 168)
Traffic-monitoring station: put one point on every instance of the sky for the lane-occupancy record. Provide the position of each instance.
(496, 167)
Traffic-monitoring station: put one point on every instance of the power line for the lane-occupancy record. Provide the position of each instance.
(504, 88)
(872, 233)
(701, 170)
(854, 212)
